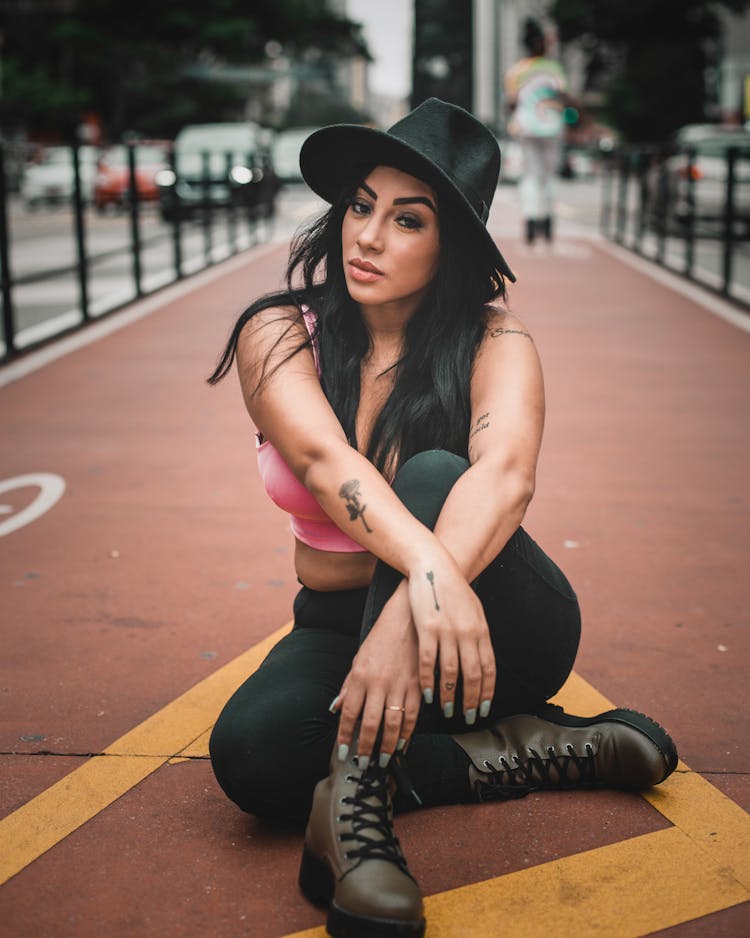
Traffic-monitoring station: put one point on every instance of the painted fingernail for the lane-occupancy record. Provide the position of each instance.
(448, 710)
(400, 745)
(332, 707)
(363, 762)
(471, 716)
(427, 694)
(343, 752)
(385, 758)
(484, 708)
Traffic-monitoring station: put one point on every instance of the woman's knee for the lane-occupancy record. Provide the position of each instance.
(424, 481)
(267, 759)
(244, 766)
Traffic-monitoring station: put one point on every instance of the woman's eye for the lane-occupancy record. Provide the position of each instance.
(409, 221)
(359, 207)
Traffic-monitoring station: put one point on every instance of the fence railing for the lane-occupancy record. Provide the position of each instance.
(62, 268)
(684, 208)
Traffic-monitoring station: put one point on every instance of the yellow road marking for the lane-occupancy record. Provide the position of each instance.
(624, 890)
(47, 819)
(627, 889)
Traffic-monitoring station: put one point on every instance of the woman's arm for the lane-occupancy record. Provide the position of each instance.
(486, 505)
(489, 501)
(287, 405)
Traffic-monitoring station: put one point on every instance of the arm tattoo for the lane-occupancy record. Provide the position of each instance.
(496, 332)
(349, 491)
(431, 578)
(481, 423)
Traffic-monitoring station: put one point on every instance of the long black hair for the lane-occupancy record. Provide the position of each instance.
(429, 406)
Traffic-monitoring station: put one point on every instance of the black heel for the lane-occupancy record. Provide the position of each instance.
(342, 924)
(315, 879)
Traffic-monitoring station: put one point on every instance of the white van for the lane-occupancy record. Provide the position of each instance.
(217, 165)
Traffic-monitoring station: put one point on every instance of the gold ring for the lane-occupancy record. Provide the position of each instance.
(394, 707)
(449, 685)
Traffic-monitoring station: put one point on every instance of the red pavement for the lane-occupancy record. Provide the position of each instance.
(164, 560)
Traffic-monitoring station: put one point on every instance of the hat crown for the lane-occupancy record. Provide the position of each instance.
(458, 145)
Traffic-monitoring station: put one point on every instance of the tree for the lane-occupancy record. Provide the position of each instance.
(133, 62)
(663, 48)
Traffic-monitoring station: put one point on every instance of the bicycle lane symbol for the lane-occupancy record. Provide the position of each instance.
(51, 488)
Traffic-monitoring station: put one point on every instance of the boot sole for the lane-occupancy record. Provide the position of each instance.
(638, 721)
(317, 883)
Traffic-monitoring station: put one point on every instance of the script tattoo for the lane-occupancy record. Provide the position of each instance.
(496, 332)
(431, 578)
(481, 423)
(349, 491)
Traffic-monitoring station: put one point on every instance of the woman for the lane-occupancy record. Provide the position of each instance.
(400, 416)
(536, 92)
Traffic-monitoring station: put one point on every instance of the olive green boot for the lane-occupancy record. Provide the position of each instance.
(352, 861)
(551, 749)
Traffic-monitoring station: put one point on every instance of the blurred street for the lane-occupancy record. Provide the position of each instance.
(50, 304)
(46, 306)
(146, 573)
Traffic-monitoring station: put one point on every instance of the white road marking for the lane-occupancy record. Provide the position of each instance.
(51, 488)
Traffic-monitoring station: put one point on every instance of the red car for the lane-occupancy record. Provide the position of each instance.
(112, 184)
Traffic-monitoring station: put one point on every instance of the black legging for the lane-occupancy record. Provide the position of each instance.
(273, 740)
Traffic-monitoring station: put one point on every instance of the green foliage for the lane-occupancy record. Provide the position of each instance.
(130, 61)
(664, 47)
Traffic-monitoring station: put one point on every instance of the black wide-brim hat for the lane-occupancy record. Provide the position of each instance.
(441, 143)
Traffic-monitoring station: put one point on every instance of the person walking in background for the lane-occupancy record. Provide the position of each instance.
(536, 93)
(399, 408)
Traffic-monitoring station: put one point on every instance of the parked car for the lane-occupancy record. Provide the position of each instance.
(285, 153)
(673, 179)
(217, 165)
(112, 183)
(50, 179)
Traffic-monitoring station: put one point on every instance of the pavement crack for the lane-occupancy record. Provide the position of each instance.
(108, 755)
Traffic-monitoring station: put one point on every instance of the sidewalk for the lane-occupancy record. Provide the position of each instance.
(144, 595)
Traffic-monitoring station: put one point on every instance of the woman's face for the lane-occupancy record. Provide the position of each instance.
(390, 240)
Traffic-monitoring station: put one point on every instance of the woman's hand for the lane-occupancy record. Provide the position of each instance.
(382, 687)
(453, 634)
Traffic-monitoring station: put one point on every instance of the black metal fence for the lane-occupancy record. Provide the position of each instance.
(152, 244)
(685, 208)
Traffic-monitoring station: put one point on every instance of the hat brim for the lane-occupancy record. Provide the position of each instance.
(331, 158)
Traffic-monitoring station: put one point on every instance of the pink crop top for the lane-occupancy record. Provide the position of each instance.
(309, 523)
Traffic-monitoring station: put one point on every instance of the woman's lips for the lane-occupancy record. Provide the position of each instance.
(363, 271)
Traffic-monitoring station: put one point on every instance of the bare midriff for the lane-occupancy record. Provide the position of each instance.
(327, 570)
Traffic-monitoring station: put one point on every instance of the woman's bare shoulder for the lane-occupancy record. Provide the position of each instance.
(501, 322)
(268, 327)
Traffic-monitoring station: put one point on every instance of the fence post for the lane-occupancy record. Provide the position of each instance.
(231, 207)
(135, 232)
(207, 214)
(605, 215)
(80, 233)
(622, 197)
(176, 219)
(665, 209)
(6, 284)
(642, 164)
(690, 220)
(729, 220)
(250, 203)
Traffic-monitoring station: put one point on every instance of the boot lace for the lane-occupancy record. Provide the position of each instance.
(370, 818)
(515, 781)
